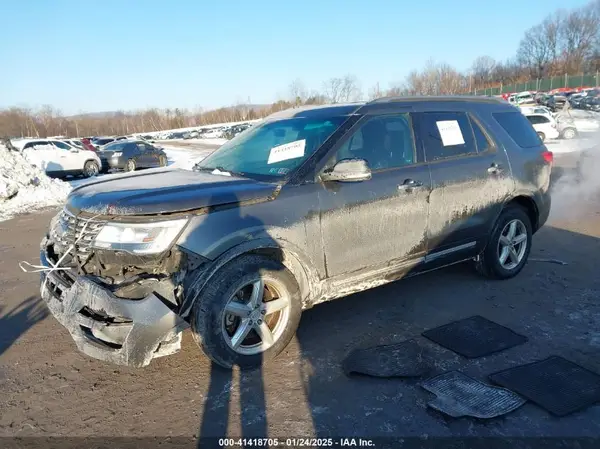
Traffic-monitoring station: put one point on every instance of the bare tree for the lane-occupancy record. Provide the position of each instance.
(376, 92)
(535, 51)
(482, 71)
(333, 89)
(579, 33)
(298, 94)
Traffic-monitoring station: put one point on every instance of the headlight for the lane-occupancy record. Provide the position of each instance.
(117, 154)
(139, 238)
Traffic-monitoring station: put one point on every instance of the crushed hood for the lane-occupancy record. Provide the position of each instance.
(164, 191)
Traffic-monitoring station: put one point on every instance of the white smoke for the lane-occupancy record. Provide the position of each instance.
(578, 183)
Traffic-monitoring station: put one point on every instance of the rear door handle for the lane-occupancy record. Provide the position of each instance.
(410, 184)
(494, 169)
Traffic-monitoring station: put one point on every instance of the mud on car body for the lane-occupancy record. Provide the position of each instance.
(311, 204)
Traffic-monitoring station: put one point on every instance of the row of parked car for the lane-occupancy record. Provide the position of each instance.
(62, 157)
(581, 98)
(218, 132)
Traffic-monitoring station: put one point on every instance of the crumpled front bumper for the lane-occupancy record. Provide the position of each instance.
(103, 326)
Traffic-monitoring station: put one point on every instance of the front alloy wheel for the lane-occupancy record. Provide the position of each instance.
(247, 313)
(255, 317)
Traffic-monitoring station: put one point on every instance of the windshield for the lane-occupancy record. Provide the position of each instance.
(272, 149)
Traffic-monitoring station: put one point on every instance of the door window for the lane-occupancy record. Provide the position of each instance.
(62, 146)
(537, 119)
(37, 145)
(446, 135)
(383, 141)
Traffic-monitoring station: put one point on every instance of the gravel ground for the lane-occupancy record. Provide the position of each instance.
(48, 388)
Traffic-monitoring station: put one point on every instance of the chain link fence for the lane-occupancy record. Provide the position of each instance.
(543, 84)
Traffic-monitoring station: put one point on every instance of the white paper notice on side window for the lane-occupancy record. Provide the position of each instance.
(287, 151)
(450, 133)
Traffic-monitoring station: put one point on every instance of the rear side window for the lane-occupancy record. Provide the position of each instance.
(483, 144)
(538, 119)
(447, 134)
(518, 128)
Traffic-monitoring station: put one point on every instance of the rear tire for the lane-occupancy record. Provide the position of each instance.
(542, 136)
(130, 165)
(215, 325)
(490, 262)
(91, 168)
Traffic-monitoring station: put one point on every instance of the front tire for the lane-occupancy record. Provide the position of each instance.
(162, 161)
(248, 313)
(569, 133)
(509, 245)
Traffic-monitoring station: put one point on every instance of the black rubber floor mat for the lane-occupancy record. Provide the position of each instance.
(460, 395)
(559, 386)
(405, 359)
(474, 337)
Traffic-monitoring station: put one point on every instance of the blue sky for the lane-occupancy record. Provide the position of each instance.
(104, 55)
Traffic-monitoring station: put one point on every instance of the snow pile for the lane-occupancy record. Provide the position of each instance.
(185, 159)
(25, 187)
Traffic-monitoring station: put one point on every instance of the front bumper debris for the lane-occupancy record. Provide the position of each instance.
(103, 326)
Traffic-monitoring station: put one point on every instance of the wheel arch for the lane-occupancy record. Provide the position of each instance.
(280, 250)
(530, 206)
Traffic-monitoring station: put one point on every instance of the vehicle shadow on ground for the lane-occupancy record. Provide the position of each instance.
(394, 313)
(222, 391)
(539, 303)
(18, 320)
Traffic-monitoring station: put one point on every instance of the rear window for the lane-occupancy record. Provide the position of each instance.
(115, 146)
(518, 128)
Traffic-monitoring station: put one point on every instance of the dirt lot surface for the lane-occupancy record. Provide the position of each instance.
(48, 388)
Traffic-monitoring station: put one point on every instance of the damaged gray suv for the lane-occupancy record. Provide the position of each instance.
(309, 205)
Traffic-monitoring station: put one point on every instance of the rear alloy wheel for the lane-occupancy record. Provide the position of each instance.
(130, 165)
(508, 247)
(248, 313)
(569, 133)
(542, 136)
(162, 161)
(91, 168)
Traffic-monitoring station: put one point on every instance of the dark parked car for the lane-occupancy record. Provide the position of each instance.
(129, 155)
(586, 102)
(101, 141)
(314, 204)
(556, 102)
(594, 104)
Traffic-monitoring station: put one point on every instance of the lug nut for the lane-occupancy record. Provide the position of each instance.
(250, 322)
(263, 311)
(259, 321)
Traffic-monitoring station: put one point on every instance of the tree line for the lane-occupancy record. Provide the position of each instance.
(566, 42)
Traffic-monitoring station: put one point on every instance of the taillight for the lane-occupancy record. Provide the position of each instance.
(548, 156)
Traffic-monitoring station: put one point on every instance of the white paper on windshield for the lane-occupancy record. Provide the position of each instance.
(216, 171)
(287, 151)
(450, 133)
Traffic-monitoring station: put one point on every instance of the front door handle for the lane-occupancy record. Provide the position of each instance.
(494, 169)
(409, 185)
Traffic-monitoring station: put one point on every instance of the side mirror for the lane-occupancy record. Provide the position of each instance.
(348, 170)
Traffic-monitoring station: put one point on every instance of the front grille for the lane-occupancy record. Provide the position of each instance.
(70, 228)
